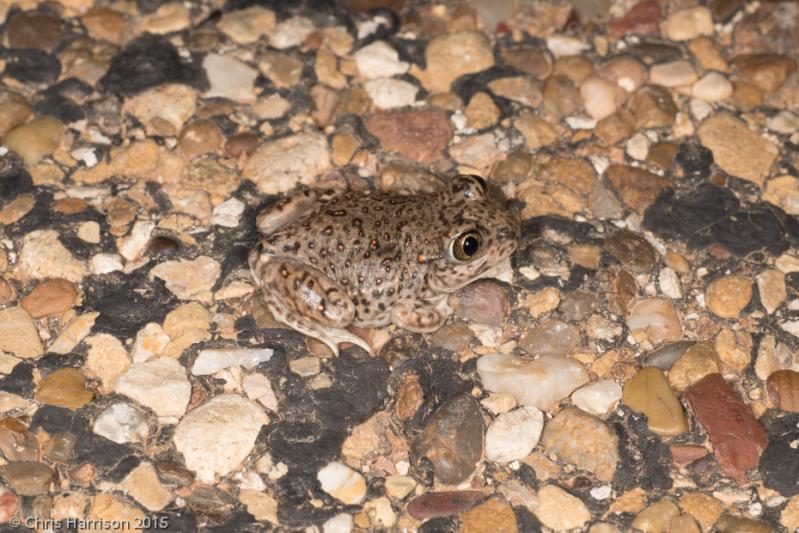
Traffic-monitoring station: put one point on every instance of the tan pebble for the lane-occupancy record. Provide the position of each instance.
(727, 296)
(50, 297)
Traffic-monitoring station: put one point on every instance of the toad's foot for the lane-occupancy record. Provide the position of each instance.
(306, 300)
(419, 316)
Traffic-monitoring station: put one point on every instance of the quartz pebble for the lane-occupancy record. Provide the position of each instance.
(687, 24)
(540, 383)
(513, 435)
(379, 60)
(343, 483)
(212, 361)
(655, 320)
(122, 422)
(159, 384)
(215, 437)
(597, 398)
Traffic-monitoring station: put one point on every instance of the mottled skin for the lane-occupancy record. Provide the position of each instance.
(367, 259)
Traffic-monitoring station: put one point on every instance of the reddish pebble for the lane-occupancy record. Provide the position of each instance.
(643, 18)
(241, 143)
(438, 504)
(484, 302)
(70, 206)
(6, 292)
(50, 297)
(738, 438)
(9, 505)
(682, 454)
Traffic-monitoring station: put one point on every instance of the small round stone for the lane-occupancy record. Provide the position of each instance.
(728, 295)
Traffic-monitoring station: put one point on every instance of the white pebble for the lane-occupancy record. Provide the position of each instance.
(597, 398)
(513, 435)
(343, 483)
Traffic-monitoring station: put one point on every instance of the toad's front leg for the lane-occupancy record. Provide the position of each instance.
(305, 299)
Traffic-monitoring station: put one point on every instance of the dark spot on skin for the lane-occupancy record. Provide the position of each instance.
(339, 212)
(381, 306)
(328, 230)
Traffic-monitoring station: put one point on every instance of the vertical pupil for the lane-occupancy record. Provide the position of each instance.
(470, 245)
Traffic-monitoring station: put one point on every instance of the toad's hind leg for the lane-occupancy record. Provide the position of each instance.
(420, 316)
(308, 301)
(289, 209)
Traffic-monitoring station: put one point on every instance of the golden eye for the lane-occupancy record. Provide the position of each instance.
(466, 245)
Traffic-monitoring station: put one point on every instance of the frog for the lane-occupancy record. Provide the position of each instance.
(330, 260)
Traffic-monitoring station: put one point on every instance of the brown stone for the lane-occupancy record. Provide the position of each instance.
(417, 134)
(767, 72)
(736, 148)
(683, 454)
(494, 515)
(410, 396)
(728, 295)
(643, 18)
(483, 302)
(14, 110)
(440, 504)
(50, 298)
(631, 249)
(65, 387)
(243, 142)
(70, 206)
(637, 187)
(698, 361)
(105, 23)
(528, 60)
(561, 96)
(283, 70)
(653, 107)
(649, 393)
(737, 437)
(200, 137)
(737, 524)
(783, 390)
(615, 127)
(33, 29)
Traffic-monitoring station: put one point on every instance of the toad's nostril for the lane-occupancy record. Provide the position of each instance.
(504, 233)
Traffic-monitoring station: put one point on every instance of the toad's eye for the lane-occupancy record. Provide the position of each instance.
(466, 245)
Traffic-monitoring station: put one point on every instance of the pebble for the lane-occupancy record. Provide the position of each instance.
(738, 438)
(212, 361)
(121, 423)
(230, 78)
(35, 139)
(737, 149)
(653, 107)
(442, 504)
(76, 331)
(43, 256)
(631, 249)
(669, 284)
(419, 135)
(649, 393)
(106, 360)
(343, 483)
(729, 523)
(727, 296)
(388, 93)
(379, 60)
(785, 122)
(655, 320)
(672, 74)
(537, 131)
(164, 109)
(513, 435)
(341, 523)
(712, 87)
(159, 384)
(657, 517)
(143, 484)
(552, 337)
(291, 32)
(598, 398)
(248, 25)
(582, 440)
(9, 505)
(381, 515)
(18, 333)
(559, 510)
(687, 24)
(150, 340)
(50, 297)
(642, 18)
(637, 187)
(306, 366)
(771, 289)
(600, 97)
(14, 111)
(483, 302)
(258, 388)
(783, 390)
(64, 387)
(783, 191)
(695, 363)
(28, 478)
(217, 436)
(453, 439)
(779, 464)
(89, 232)
(168, 18)
(283, 70)
(521, 89)
(540, 383)
(106, 508)
(767, 72)
(278, 166)
(453, 55)
(189, 279)
(734, 348)
(482, 112)
(494, 514)
(200, 137)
